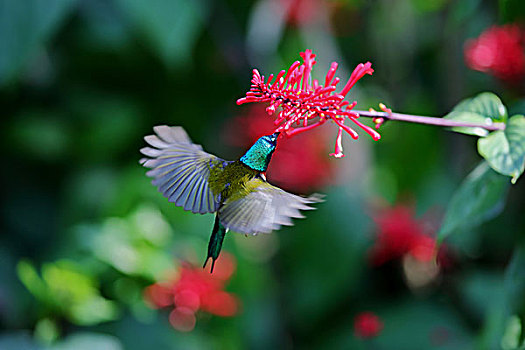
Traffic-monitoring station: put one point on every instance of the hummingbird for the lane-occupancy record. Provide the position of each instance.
(235, 190)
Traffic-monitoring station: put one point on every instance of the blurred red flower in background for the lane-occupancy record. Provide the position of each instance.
(300, 11)
(500, 51)
(367, 325)
(194, 289)
(398, 234)
(299, 164)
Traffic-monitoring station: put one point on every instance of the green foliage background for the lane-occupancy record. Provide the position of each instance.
(83, 231)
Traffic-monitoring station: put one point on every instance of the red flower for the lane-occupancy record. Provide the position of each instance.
(367, 325)
(183, 319)
(195, 289)
(300, 11)
(298, 165)
(500, 51)
(159, 295)
(301, 100)
(398, 233)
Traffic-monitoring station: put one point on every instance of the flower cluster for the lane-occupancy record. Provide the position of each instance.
(305, 104)
(299, 165)
(195, 289)
(500, 51)
(367, 325)
(398, 234)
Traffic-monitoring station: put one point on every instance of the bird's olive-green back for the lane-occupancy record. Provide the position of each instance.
(230, 181)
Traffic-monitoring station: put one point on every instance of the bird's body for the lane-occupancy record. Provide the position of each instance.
(231, 179)
(237, 191)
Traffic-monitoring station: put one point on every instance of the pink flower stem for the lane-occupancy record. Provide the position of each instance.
(429, 120)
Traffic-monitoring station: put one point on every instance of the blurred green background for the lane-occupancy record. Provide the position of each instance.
(83, 232)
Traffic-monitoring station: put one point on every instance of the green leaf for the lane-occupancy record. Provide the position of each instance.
(25, 25)
(138, 239)
(496, 332)
(66, 289)
(514, 283)
(505, 150)
(92, 311)
(67, 283)
(171, 26)
(480, 197)
(31, 280)
(485, 108)
(46, 331)
(511, 337)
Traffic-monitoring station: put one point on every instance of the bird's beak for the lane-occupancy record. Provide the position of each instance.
(275, 135)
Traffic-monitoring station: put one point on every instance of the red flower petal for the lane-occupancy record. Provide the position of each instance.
(224, 267)
(500, 51)
(424, 248)
(220, 303)
(367, 325)
(187, 298)
(183, 319)
(158, 295)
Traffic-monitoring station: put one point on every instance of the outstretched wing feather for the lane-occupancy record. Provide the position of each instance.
(180, 169)
(264, 209)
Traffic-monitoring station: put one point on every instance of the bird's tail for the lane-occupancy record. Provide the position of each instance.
(215, 244)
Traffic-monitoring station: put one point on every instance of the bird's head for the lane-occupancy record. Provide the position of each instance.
(259, 155)
(271, 139)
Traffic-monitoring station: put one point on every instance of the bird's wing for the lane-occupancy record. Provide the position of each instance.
(180, 169)
(264, 209)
